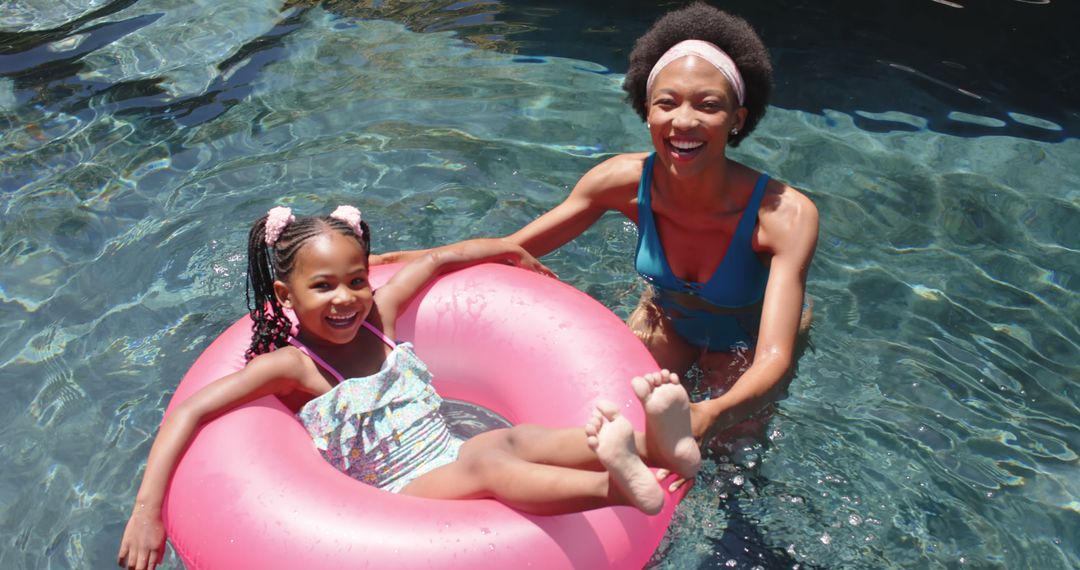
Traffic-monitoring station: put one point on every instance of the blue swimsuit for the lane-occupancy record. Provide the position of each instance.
(723, 313)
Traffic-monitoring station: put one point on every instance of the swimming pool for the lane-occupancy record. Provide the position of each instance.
(933, 423)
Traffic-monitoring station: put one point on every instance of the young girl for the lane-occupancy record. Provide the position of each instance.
(368, 402)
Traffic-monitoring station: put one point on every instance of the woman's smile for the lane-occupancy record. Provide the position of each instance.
(683, 148)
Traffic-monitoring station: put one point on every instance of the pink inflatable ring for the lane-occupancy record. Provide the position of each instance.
(253, 492)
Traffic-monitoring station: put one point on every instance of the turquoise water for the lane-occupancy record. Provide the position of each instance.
(932, 424)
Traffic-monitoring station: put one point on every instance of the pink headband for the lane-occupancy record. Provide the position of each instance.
(279, 217)
(710, 53)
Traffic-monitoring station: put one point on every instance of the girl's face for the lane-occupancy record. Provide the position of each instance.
(328, 289)
(692, 109)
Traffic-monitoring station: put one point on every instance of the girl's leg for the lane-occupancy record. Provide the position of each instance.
(667, 441)
(562, 447)
(492, 471)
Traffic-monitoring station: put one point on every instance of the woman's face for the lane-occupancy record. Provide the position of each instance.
(692, 109)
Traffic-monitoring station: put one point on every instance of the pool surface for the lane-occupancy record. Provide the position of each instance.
(933, 422)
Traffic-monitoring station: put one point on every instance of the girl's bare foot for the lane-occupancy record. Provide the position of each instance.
(667, 422)
(611, 436)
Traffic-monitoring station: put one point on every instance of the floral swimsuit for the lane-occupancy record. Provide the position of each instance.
(385, 429)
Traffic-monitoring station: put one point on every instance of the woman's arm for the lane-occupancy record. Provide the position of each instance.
(403, 256)
(611, 185)
(144, 535)
(792, 233)
(392, 297)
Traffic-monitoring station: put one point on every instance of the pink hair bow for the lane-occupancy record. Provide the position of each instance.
(277, 219)
(350, 216)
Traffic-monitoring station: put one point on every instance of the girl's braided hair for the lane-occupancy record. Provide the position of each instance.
(700, 21)
(270, 327)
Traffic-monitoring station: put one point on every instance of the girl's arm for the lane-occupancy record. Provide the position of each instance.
(611, 185)
(796, 236)
(273, 373)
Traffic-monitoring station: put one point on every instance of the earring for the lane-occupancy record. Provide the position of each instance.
(734, 131)
(648, 126)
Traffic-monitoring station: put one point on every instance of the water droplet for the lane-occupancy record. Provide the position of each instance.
(485, 530)
(854, 520)
(826, 539)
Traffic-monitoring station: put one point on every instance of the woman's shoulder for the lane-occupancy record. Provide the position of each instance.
(614, 175)
(625, 167)
(787, 199)
(786, 215)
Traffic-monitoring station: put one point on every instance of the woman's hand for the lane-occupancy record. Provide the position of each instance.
(144, 539)
(703, 424)
(525, 260)
(662, 474)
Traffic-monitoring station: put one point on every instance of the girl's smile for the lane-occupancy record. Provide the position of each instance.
(328, 289)
(342, 321)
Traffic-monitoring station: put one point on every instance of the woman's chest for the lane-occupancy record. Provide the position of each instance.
(694, 247)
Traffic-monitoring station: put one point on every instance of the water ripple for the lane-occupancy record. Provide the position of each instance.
(936, 409)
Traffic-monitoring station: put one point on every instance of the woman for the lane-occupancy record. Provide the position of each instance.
(724, 248)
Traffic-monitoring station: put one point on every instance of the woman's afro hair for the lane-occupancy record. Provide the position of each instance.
(699, 21)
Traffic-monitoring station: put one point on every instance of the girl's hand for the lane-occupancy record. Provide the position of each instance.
(144, 540)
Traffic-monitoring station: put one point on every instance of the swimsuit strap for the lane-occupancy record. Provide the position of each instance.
(380, 334)
(645, 188)
(318, 360)
(747, 222)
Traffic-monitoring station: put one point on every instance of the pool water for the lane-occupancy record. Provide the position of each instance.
(932, 423)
